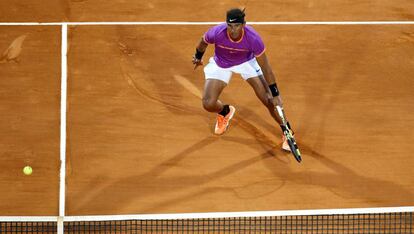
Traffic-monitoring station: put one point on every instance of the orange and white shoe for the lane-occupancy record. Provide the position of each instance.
(223, 122)
(285, 144)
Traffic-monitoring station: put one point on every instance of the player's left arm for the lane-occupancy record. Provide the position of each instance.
(269, 77)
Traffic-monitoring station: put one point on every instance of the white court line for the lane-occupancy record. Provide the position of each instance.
(350, 211)
(63, 103)
(214, 23)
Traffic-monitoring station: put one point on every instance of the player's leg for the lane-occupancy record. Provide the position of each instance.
(212, 91)
(216, 80)
(260, 88)
(251, 72)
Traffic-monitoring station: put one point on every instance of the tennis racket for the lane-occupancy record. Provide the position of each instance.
(288, 134)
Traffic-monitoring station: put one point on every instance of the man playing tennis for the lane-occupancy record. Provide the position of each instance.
(238, 49)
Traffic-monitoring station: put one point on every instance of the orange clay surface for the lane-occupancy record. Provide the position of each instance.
(29, 120)
(138, 141)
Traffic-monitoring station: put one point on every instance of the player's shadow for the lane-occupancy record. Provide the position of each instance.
(343, 181)
(153, 182)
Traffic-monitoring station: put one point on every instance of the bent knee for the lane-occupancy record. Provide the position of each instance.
(210, 104)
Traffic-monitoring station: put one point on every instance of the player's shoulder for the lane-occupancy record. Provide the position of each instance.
(250, 31)
(251, 35)
(215, 32)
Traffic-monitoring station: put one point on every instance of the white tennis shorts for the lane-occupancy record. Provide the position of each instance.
(247, 70)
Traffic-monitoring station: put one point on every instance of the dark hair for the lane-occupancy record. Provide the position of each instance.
(235, 15)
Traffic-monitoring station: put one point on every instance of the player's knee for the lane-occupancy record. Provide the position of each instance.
(209, 104)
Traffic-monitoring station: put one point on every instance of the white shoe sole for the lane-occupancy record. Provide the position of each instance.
(285, 146)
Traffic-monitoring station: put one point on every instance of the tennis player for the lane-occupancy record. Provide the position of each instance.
(238, 49)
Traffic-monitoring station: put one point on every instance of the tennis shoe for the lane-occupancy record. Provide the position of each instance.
(223, 122)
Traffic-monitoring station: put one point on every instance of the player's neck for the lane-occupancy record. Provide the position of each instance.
(237, 38)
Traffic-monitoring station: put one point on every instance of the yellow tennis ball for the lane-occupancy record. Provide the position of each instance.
(27, 170)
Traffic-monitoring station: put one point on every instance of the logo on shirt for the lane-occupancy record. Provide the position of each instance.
(232, 49)
(257, 70)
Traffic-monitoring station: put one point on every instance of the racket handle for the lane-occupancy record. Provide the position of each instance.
(279, 110)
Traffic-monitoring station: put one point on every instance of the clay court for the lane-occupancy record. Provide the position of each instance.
(139, 141)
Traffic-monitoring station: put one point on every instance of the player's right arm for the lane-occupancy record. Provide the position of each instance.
(200, 49)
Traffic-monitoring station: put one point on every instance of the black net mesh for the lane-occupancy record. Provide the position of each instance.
(347, 223)
(355, 223)
(28, 227)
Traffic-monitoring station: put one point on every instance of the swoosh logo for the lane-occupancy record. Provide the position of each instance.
(231, 20)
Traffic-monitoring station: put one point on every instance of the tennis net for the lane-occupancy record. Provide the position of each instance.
(375, 220)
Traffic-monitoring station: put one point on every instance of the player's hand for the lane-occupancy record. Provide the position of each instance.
(197, 62)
